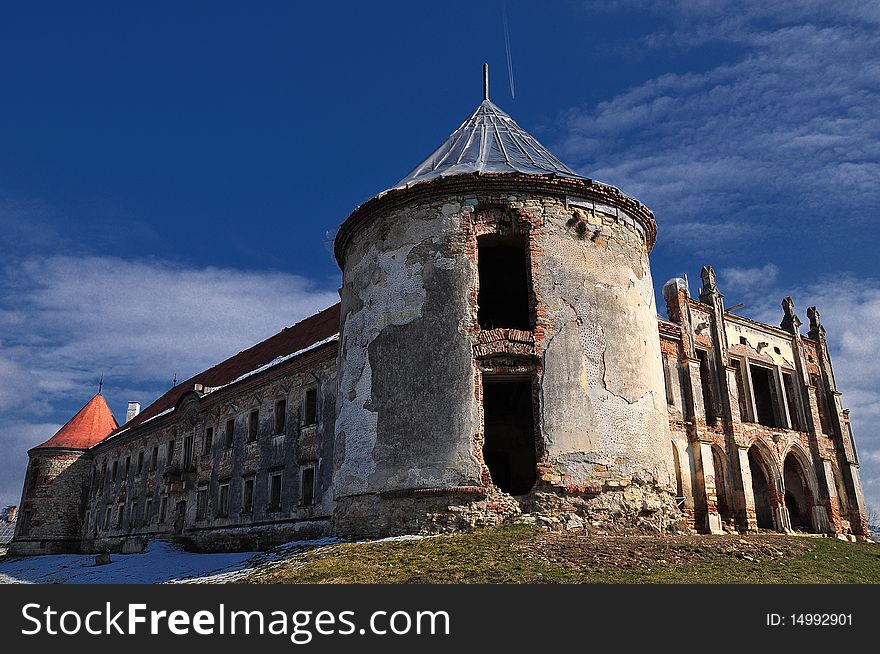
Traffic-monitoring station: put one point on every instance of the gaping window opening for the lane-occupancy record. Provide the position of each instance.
(169, 458)
(247, 495)
(503, 269)
(223, 500)
(764, 388)
(509, 429)
(229, 436)
(187, 451)
(201, 502)
(307, 486)
(310, 408)
(208, 442)
(280, 417)
(140, 465)
(275, 492)
(154, 460)
(253, 425)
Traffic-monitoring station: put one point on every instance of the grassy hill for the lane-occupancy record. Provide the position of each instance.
(520, 554)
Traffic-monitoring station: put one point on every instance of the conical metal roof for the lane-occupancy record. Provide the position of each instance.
(489, 141)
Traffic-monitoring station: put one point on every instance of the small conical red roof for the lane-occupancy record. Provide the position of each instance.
(89, 426)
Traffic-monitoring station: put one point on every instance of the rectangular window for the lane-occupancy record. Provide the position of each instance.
(154, 460)
(209, 441)
(307, 483)
(127, 466)
(148, 511)
(169, 458)
(247, 496)
(280, 416)
(163, 508)
(764, 388)
(114, 471)
(140, 467)
(310, 411)
(503, 270)
(107, 515)
(201, 502)
(275, 491)
(253, 425)
(223, 500)
(132, 513)
(230, 433)
(187, 451)
(120, 511)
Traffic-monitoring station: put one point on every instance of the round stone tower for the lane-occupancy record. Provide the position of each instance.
(499, 348)
(56, 483)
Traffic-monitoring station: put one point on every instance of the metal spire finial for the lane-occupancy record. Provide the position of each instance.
(101, 384)
(485, 81)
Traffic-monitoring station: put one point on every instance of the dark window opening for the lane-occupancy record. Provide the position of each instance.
(743, 340)
(509, 446)
(503, 299)
(307, 492)
(275, 492)
(761, 492)
(706, 383)
(127, 466)
(201, 503)
(163, 508)
(140, 467)
(107, 514)
(794, 415)
(253, 425)
(187, 451)
(229, 436)
(247, 496)
(223, 501)
(148, 511)
(280, 416)
(310, 411)
(120, 510)
(114, 471)
(765, 396)
(170, 455)
(154, 461)
(209, 441)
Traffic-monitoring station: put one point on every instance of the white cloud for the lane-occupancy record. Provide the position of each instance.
(742, 278)
(69, 319)
(788, 122)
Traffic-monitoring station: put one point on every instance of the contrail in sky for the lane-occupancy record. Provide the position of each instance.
(507, 46)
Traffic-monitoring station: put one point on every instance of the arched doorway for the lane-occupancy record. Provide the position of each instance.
(760, 490)
(798, 498)
(725, 510)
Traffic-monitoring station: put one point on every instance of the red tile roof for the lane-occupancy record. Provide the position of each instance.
(90, 425)
(313, 329)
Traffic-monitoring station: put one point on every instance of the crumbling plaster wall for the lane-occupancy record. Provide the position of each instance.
(408, 406)
(603, 391)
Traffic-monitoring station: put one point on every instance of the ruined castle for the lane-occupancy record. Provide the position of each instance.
(496, 355)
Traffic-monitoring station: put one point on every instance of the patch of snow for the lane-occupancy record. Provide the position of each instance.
(161, 563)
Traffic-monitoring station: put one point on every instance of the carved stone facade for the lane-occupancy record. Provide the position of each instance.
(759, 434)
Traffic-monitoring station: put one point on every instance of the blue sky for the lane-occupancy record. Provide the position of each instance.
(169, 173)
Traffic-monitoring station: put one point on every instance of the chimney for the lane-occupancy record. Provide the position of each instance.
(134, 408)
